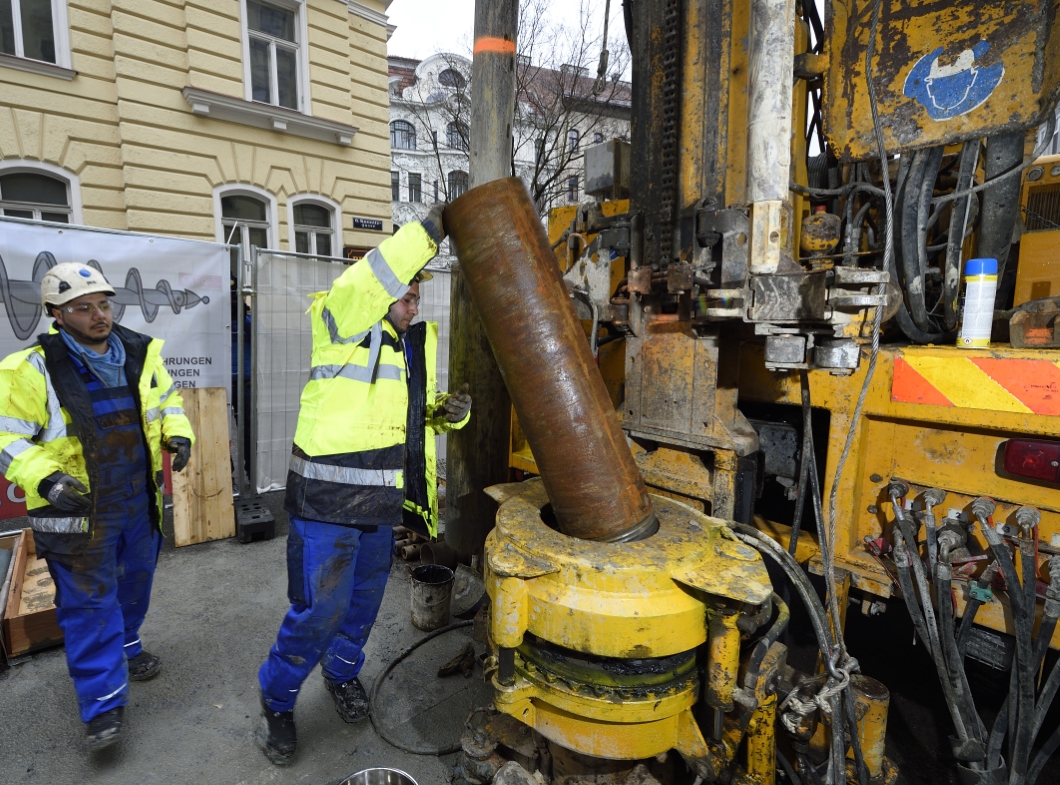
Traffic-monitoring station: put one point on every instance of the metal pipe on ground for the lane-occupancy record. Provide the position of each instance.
(596, 489)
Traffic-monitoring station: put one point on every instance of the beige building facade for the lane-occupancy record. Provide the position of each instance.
(262, 122)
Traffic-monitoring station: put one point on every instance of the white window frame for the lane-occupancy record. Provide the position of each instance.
(242, 189)
(60, 32)
(73, 182)
(321, 201)
(299, 9)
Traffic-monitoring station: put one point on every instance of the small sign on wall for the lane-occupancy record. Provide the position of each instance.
(371, 224)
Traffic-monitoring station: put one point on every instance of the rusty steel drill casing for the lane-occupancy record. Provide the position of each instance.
(596, 489)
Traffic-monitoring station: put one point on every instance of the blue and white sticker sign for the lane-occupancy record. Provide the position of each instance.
(948, 91)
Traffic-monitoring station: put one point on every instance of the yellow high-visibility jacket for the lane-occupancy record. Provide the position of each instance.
(369, 412)
(39, 422)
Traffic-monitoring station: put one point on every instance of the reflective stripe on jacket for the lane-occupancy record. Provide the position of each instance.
(347, 463)
(41, 417)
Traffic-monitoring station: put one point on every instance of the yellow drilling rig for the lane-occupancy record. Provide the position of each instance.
(760, 367)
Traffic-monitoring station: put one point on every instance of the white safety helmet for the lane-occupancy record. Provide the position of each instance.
(66, 282)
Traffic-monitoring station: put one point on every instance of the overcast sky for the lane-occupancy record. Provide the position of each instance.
(428, 26)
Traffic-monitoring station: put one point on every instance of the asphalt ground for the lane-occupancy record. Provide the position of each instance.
(215, 610)
(214, 614)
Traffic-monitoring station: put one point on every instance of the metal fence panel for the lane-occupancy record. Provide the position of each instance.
(282, 345)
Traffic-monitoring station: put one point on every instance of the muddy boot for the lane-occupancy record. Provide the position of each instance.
(276, 736)
(351, 701)
(144, 666)
(104, 730)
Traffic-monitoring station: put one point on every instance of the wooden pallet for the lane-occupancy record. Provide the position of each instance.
(202, 493)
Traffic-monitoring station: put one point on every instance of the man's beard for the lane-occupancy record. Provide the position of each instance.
(86, 338)
(396, 326)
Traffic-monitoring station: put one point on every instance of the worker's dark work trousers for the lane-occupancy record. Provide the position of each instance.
(336, 577)
(103, 579)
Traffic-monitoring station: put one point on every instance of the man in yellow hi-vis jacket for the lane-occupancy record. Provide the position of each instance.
(84, 417)
(362, 462)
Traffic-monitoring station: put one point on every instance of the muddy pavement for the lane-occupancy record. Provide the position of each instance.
(215, 611)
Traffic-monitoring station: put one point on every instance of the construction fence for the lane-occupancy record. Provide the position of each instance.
(278, 285)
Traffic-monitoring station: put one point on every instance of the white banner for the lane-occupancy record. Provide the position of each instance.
(166, 287)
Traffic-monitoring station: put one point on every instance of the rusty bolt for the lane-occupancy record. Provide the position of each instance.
(875, 477)
(873, 509)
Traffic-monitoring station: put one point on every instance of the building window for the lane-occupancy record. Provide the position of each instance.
(572, 189)
(35, 196)
(540, 152)
(273, 53)
(436, 190)
(34, 29)
(402, 135)
(246, 224)
(598, 137)
(452, 78)
(313, 229)
(457, 184)
(572, 141)
(415, 187)
(395, 187)
(456, 135)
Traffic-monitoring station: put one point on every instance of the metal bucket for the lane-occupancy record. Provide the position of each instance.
(432, 590)
(380, 776)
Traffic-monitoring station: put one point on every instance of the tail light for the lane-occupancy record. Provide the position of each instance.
(1033, 459)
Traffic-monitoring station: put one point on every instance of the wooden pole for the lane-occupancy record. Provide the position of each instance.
(477, 455)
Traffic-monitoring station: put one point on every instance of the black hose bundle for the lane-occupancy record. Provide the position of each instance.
(1019, 718)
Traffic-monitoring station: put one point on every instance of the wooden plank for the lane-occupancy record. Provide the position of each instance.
(38, 588)
(202, 493)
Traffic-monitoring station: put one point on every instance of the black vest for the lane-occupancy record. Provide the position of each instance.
(109, 430)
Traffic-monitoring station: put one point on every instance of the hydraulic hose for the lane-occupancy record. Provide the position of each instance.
(972, 608)
(1024, 713)
(380, 728)
(818, 619)
(786, 765)
(772, 634)
(855, 737)
(1050, 614)
(914, 209)
(959, 212)
(804, 462)
(921, 580)
(902, 558)
(1028, 669)
(768, 546)
(962, 689)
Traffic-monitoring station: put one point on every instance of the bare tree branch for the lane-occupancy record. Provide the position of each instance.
(557, 112)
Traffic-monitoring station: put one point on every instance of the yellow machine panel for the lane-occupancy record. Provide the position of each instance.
(944, 72)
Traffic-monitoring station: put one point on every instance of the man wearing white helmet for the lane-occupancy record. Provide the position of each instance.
(85, 415)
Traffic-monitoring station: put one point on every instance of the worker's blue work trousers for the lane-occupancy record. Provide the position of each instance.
(336, 577)
(102, 590)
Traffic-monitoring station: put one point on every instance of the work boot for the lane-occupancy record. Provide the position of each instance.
(276, 736)
(351, 701)
(144, 666)
(104, 730)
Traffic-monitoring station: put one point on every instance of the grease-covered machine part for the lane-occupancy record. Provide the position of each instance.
(596, 489)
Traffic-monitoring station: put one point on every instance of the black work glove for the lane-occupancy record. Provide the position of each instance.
(180, 446)
(64, 492)
(458, 404)
(434, 224)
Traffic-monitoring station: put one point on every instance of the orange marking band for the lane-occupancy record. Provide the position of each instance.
(496, 45)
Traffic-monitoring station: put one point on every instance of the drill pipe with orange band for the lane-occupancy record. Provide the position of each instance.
(596, 489)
